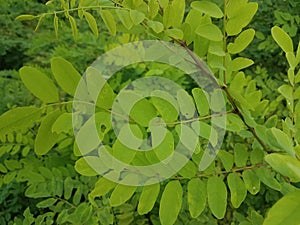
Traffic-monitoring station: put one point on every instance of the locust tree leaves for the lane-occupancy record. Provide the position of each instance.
(217, 196)
(170, 203)
(39, 84)
(285, 211)
(65, 74)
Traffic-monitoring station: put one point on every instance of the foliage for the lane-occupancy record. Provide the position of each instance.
(257, 164)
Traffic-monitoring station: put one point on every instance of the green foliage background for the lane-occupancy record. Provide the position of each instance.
(256, 176)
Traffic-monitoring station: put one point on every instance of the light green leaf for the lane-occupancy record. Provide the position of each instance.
(292, 60)
(102, 187)
(92, 22)
(46, 203)
(39, 22)
(121, 194)
(45, 139)
(196, 196)
(240, 15)
(39, 84)
(73, 27)
(285, 211)
(237, 189)
(240, 63)
(137, 17)
(65, 74)
(109, 21)
(241, 155)
(217, 196)
(148, 198)
(165, 148)
(208, 8)
(284, 141)
(63, 123)
(143, 112)
(252, 182)
(241, 42)
(25, 17)
(170, 203)
(282, 39)
(55, 24)
(210, 32)
(122, 152)
(166, 106)
(125, 18)
(227, 159)
(174, 33)
(95, 83)
(153, 7)
(18, 119)
(186, 104)
(265, 176)
(156, 26)
(173, 14)
(189, 170)
(201, 101)
(82, 167)
(286, 165)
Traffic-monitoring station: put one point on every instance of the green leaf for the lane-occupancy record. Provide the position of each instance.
(241, 42)
(125, 18)
(18, 119)
(227, 159)
(217, 196)
(285, 211)
(109, 21)
(208, 8)
(196, 197)
(45, 139)
(143, 112)
(25, 17)
(201, 101)
(82, 167)
(240, 155)
(286, 165)
(46, 203)
(174, 33)
(210, 32)
(137, 17)
(239, 63)
(189, 170)
(173, 14)
(252, 182)
(102, 187)
(166, 106)
(92, 22)
(165, 148)
(156, 26)
(39, 84)
(65, 74)
(237, 189)
(95, 83)
(55, 24)
(239, 16)
(148, 198)
(282, 39)
(73, 27)
(153, 7)
(39, 22)
(121, 194)
(284, 141)
(170, 203)
(63, 123)
(186, 104)
(265, 176)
